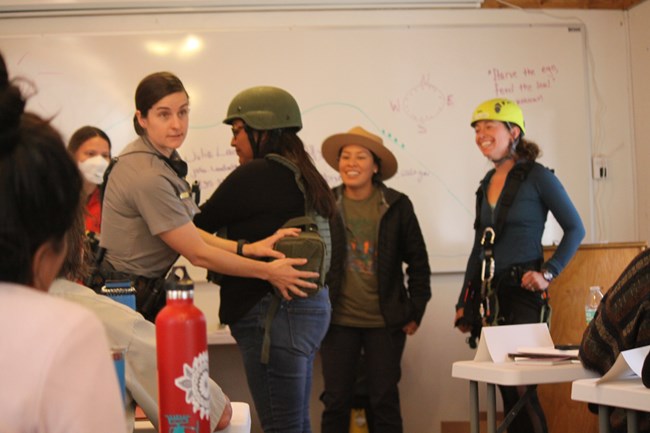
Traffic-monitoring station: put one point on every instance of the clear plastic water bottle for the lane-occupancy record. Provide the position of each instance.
(593, 300)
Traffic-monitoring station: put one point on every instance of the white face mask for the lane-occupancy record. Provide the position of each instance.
(93, 169)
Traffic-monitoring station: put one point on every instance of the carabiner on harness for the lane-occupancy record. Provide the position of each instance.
(487, 272)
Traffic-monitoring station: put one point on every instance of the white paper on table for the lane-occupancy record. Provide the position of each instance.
(628, 364)
(547, 350)
(497, 341)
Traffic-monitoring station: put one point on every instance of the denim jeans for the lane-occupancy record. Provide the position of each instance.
(281, 389)
(340, 352)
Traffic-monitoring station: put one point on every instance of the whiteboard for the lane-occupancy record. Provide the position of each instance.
(415, 86)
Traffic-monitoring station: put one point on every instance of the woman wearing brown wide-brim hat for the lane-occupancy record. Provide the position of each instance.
(373, 309)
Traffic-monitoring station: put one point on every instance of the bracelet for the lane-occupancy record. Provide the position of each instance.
(240, 246)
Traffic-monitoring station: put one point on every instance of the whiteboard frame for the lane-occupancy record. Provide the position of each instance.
(53, 8)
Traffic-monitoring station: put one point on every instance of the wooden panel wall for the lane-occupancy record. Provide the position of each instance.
(593, 265)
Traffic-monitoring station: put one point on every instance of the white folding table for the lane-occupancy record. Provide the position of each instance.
(509, 374)
(628, 394)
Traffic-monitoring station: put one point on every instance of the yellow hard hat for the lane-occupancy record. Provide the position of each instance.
(503, 110)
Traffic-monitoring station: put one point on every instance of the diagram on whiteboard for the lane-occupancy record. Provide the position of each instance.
(422, 103)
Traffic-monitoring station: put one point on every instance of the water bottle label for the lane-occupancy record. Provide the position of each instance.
(196, 385)
(589, 314)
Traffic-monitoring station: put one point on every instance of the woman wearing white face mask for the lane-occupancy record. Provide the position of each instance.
(91, 148)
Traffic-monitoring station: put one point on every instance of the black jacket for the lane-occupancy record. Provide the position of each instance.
(400, 241)
(253, 201)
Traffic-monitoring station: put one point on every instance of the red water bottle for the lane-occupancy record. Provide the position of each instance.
(182, 352)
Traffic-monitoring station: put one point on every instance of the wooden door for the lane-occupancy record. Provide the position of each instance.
(593, 265)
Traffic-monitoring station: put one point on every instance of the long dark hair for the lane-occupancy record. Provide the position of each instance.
(84, 134)
(152, 89)
(286, 142)
(77, 263)
(40, 185)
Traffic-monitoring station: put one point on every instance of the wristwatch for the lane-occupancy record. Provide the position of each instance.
(240, 246)
(548, 275)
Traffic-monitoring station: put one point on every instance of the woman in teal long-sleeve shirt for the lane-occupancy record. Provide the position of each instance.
(521, 276)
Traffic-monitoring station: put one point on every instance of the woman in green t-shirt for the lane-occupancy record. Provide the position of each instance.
(373, 309)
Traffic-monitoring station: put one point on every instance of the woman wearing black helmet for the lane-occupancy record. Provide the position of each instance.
(251, 203)
(513, 202)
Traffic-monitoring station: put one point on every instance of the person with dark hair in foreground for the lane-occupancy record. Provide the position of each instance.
(56, 370)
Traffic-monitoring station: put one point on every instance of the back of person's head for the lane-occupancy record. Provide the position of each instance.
(40, 185)
(84, 134)
(152, 89)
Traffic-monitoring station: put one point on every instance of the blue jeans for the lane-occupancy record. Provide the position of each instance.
(281, 389)
(340, 353)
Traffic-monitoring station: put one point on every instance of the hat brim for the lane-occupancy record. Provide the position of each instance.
(332, 145)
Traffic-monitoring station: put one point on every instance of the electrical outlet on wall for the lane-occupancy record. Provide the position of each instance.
(599, 167)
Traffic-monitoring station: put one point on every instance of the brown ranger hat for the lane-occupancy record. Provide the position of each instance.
(332, 145)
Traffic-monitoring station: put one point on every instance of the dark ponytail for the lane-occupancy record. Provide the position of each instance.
(527, 150)
(523, 148)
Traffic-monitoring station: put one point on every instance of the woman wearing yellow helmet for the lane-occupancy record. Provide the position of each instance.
(513, 201)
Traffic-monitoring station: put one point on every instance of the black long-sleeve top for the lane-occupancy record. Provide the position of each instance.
(254, 201)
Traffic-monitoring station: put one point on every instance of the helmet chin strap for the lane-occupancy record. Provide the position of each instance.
(254, 142)
(513, 148)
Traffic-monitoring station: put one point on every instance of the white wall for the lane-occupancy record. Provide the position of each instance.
(612, 126)
(639, 17)
(429, 394)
